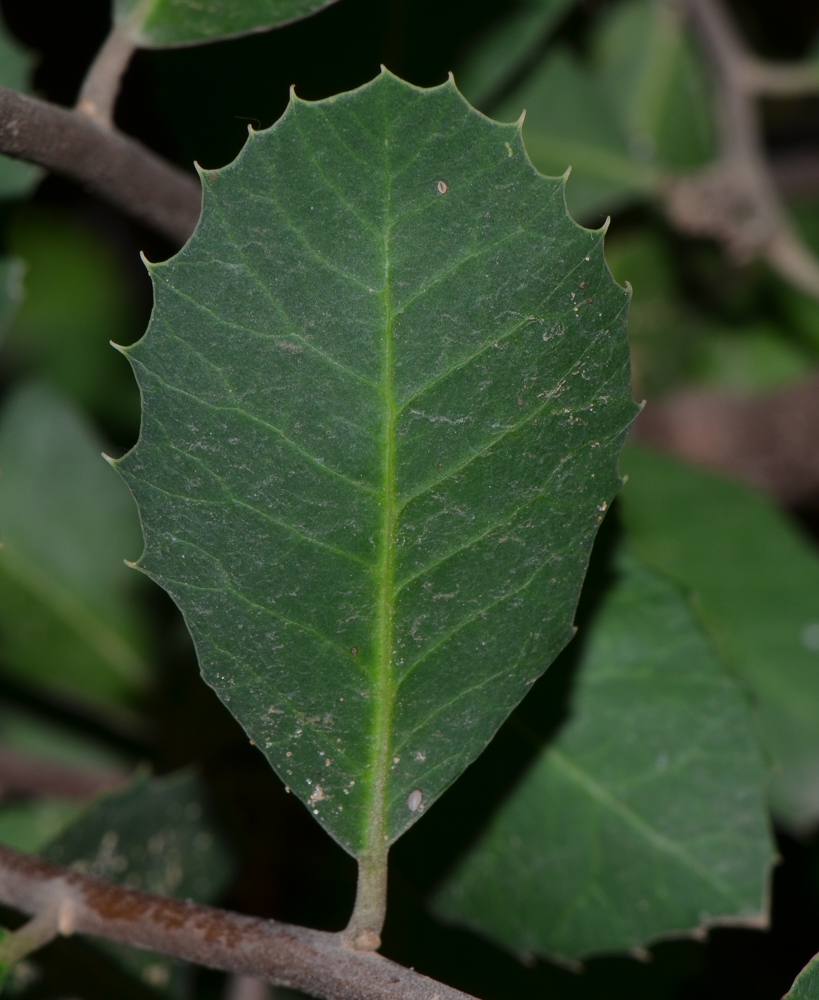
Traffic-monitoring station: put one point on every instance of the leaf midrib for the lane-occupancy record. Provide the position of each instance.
(376, 835)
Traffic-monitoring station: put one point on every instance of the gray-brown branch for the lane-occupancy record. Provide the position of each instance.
(104, 161)
(315, 962)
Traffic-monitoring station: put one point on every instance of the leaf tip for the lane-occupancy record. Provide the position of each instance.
(113, 462)
(521, 120)
(120, 347)
(605, 227)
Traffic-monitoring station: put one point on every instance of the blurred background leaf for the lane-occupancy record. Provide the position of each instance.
(755, 581)
(646, 816)
(180, 22)
(67, 616)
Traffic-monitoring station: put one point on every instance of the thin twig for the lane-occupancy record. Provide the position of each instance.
(104, 161)
(100, 89)
(735, 201)
(314, 962)
(21, 774)
(777, 79)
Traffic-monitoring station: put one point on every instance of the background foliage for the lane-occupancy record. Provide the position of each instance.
(634, 105)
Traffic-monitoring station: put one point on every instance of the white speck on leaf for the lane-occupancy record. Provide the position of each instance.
(414, 800)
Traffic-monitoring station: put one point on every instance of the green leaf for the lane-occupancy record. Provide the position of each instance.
(639, 107)
(78, 299)
(66, 619)
(569, 123)
(806, 986)
(653, 78)
(5, 967)
(161, 23)
(12, 270)
(505, 48)
(756, 581)
(16, 67)
(646, 817)
(154, 835)
(384, 390)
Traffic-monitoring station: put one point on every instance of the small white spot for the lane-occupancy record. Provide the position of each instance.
(810, 637)
(442, 187)
(414, 800)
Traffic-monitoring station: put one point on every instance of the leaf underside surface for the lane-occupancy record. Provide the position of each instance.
(646, 817)
(164, 23)
(756, 581)
(385, 387)
(806, 986)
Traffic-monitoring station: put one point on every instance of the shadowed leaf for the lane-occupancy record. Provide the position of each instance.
(756, 582)
(65, 616)
(646, 817)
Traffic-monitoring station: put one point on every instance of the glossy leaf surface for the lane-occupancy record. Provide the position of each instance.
(66, 618)
(646, 816)
(162, 23)
(756, 581)
(385, 388)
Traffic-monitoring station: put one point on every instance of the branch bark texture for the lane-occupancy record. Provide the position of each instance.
(315, 962)
(104, 161)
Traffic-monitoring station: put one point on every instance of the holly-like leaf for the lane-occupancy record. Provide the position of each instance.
(155, 835)
(161, 23)
(756, 581)
(806, 986)
(66, 617)
(646, 817)
(385, 387)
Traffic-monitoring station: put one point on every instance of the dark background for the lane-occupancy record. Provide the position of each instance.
(195, 104)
